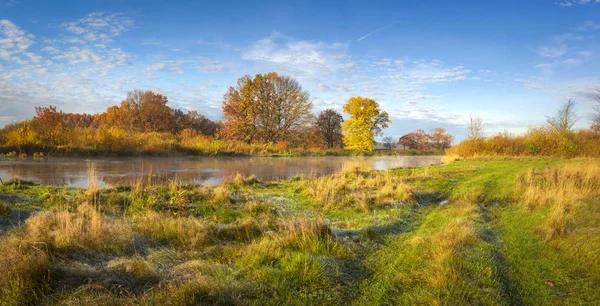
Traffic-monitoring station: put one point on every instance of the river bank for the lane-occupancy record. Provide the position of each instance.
(485, 231)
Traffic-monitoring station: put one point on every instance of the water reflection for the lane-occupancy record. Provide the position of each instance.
(206, 170)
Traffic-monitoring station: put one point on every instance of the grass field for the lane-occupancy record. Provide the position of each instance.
(481, 231)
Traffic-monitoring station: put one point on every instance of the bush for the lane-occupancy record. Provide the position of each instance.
(539, 141)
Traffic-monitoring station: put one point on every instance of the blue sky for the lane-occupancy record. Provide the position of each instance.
(428, 63)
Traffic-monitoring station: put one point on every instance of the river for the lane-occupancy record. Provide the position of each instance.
(116, 171)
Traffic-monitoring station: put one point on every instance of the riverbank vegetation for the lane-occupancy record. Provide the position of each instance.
(266, 114)
(479, 231)
(555, 138)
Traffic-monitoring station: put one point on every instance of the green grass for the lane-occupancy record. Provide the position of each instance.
(470, 232)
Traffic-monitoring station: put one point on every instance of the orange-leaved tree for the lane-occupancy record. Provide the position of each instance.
(268, 108)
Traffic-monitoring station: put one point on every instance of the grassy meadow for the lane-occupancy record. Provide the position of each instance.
(487, 231)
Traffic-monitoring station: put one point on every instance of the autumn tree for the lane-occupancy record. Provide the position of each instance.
(329, 126)
(366, 121)
(266, 108)
(141, 111)
(73, 120)
(408, 141)
(193, 120)
(418, 140)
(565, 117)
(440, 138)
(49, 125)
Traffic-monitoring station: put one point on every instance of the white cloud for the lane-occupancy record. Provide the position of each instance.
(14, 43)
(302, 58)
(99, 27)
(207, 65)
(552, 52)
(569, 3)
(421, 72)
(530, 83)
(589, 25)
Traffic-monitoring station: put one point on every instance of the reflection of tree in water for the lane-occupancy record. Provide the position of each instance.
(208, 170)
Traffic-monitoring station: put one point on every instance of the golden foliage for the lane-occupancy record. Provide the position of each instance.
(365, 122)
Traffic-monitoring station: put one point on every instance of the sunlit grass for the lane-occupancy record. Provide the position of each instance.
(476, 231)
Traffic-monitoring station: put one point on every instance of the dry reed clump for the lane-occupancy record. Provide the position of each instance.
(191, 233)
(362, 191)
(392, 189)
(221, 195)
(92, 193)
(182, 232)
(83, 228)
(240, 180)
(138, 268)
(326, 191)
(289, 238)
(564, 189)
(24, 272)
(308, 234)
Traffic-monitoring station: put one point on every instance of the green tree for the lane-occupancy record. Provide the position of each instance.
(366, 121)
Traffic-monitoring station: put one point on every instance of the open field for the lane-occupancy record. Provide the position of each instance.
(481, 231)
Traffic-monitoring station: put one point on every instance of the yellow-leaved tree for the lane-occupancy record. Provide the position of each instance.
(366, 121)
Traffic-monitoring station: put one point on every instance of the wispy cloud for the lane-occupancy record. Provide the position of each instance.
(100, 27)
(589, 25)
(376, 31)
(569, 3)
(552, 52)
(303, 58)
(14, 43)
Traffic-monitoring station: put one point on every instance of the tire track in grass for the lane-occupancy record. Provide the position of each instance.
(442, 260)
(490, 235)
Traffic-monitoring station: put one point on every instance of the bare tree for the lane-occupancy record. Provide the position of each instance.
(596, 122)
(565, 117)
(388, 142)
(475, 128)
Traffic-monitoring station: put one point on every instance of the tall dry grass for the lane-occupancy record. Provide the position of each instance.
(537, 141)
(85, 228)
(567, 192)
(356, 189)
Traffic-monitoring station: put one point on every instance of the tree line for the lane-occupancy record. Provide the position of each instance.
(269, 109)
(437, 139)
